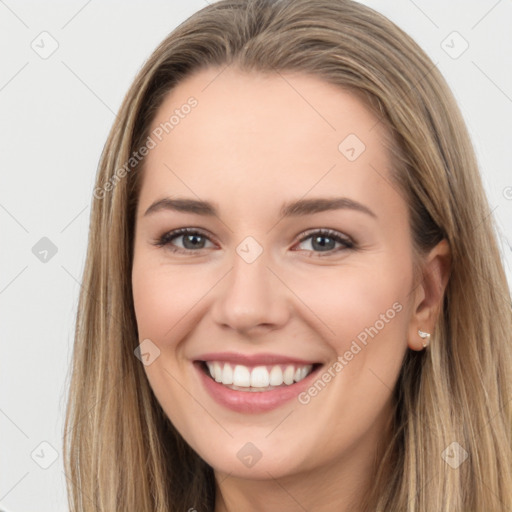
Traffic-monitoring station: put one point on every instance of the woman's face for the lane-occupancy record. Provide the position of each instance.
(293, 283)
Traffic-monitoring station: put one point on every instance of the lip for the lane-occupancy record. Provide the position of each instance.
(253, 402)
(252, 359)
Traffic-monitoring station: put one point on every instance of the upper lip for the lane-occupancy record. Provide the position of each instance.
(253, 359)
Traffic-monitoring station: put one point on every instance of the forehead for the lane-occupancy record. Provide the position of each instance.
(260, 135)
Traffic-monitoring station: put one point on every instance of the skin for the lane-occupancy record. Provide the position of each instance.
(251, 144)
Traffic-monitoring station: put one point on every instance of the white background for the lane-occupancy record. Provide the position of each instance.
(55, 115)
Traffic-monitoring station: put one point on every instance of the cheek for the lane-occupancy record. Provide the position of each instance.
(161, 297)
(364, 309)
(151, 301)
(168, 301)
(163, 301)
(354, 303)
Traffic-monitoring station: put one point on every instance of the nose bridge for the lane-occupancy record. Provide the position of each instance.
(251, 296)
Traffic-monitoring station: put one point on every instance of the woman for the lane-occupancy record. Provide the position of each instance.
(293, 297)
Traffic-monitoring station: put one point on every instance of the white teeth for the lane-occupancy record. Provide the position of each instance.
(276, 376)
(241, 376)
(288, 375)
(217, 371)
(227, 374)
(259, 377)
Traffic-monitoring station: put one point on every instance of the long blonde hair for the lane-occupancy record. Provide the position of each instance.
(121, 451)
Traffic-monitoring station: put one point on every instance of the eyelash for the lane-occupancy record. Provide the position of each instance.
(166, 239)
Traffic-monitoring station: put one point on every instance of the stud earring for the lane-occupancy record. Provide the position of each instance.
(425, 336)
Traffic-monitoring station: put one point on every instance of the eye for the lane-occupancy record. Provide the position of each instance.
(192, 239)
(324, 241)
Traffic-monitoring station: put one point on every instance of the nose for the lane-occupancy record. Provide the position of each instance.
(251, 299)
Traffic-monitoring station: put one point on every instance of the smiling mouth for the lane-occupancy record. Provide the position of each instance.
(259, 378)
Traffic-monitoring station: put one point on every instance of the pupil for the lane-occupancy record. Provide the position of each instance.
(317, 244)
(193, 239)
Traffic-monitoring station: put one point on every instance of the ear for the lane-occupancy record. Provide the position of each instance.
(429, 293)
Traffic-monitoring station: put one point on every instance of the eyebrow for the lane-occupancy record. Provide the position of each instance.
(290, 209)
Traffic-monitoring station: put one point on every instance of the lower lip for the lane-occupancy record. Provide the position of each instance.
(252, 401)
